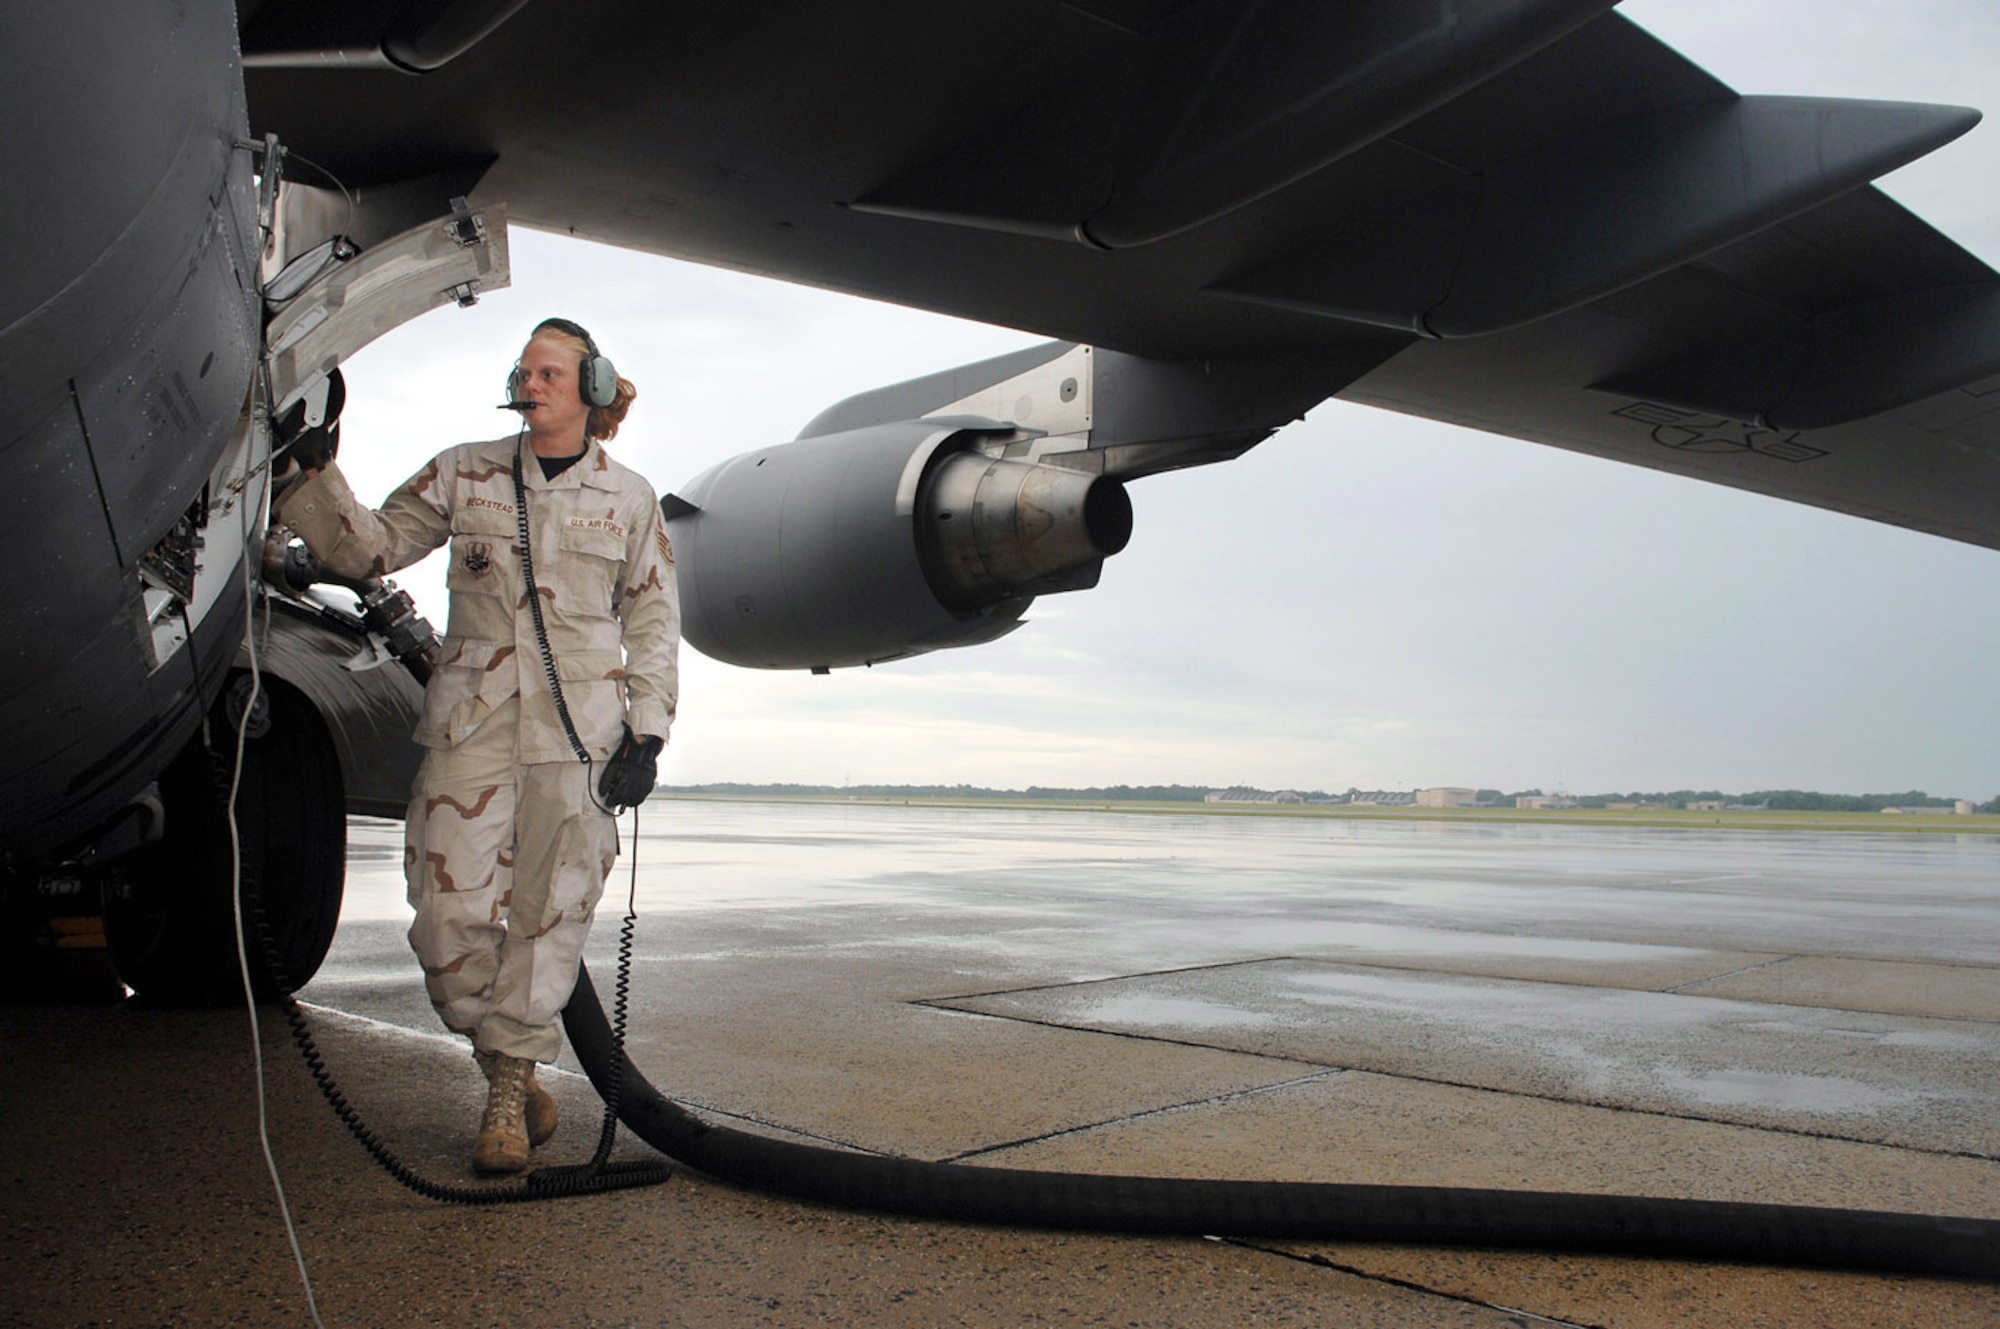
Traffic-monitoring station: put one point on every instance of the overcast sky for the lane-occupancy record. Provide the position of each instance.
(1365, 599)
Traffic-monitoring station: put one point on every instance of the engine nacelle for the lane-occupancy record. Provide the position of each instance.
(882, 542)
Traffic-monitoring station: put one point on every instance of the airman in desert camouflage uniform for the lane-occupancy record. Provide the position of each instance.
(506, 848)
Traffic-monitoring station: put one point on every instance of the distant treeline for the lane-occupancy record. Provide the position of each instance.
(1117, 793)
(1778, 800)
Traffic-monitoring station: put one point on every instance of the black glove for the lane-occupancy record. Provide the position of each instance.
(630, 774)
(311, 447)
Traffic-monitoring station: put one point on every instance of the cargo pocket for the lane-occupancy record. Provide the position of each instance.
(471, 679)
(593, 560)
(483, 561)
(594, 686)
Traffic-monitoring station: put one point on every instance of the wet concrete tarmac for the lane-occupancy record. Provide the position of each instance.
(1805, 1018)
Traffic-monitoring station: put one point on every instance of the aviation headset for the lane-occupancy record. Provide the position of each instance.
(596, 380)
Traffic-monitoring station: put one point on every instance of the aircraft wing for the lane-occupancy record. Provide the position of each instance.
(1529, 217)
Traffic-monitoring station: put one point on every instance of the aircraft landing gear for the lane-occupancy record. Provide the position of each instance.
(52, 944)
(168, 910)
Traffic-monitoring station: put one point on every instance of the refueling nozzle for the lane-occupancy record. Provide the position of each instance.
(287, 563)
(391, 614)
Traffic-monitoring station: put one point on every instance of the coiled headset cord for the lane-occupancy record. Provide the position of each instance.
(548, 1183)
(542, 631)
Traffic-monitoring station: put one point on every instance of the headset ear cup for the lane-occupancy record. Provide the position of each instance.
(597, 381)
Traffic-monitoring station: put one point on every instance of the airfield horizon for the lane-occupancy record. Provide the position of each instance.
(1978, 823)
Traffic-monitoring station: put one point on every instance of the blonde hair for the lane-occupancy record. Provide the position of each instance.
(604, 420)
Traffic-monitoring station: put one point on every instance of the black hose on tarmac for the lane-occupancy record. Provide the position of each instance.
(1415, 1215)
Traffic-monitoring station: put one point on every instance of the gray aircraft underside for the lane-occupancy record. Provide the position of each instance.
(1527, 216)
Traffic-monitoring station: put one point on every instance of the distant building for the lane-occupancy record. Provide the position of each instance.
(1545, 802)
(1447, 798)
(1962, 806)
(1707, 805)
(1381, 798)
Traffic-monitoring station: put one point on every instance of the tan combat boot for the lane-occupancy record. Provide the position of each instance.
(540, 1103)
(503, 1132)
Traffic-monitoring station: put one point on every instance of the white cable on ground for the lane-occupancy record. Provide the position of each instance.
(236, 876)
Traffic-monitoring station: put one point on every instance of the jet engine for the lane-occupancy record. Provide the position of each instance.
(882, 542)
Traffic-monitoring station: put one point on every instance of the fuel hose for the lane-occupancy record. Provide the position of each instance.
(1655, 1226)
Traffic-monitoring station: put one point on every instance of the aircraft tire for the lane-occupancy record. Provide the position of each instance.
(170, 914)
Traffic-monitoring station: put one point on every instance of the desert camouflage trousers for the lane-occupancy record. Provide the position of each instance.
(505, 864)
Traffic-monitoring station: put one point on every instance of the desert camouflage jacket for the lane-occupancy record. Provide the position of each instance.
(602, 564)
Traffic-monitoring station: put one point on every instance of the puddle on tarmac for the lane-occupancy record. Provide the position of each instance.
(1820, 1095)
(1390, 939)
(1129, 1009)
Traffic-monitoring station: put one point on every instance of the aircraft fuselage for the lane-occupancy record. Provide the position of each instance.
(128, 338)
